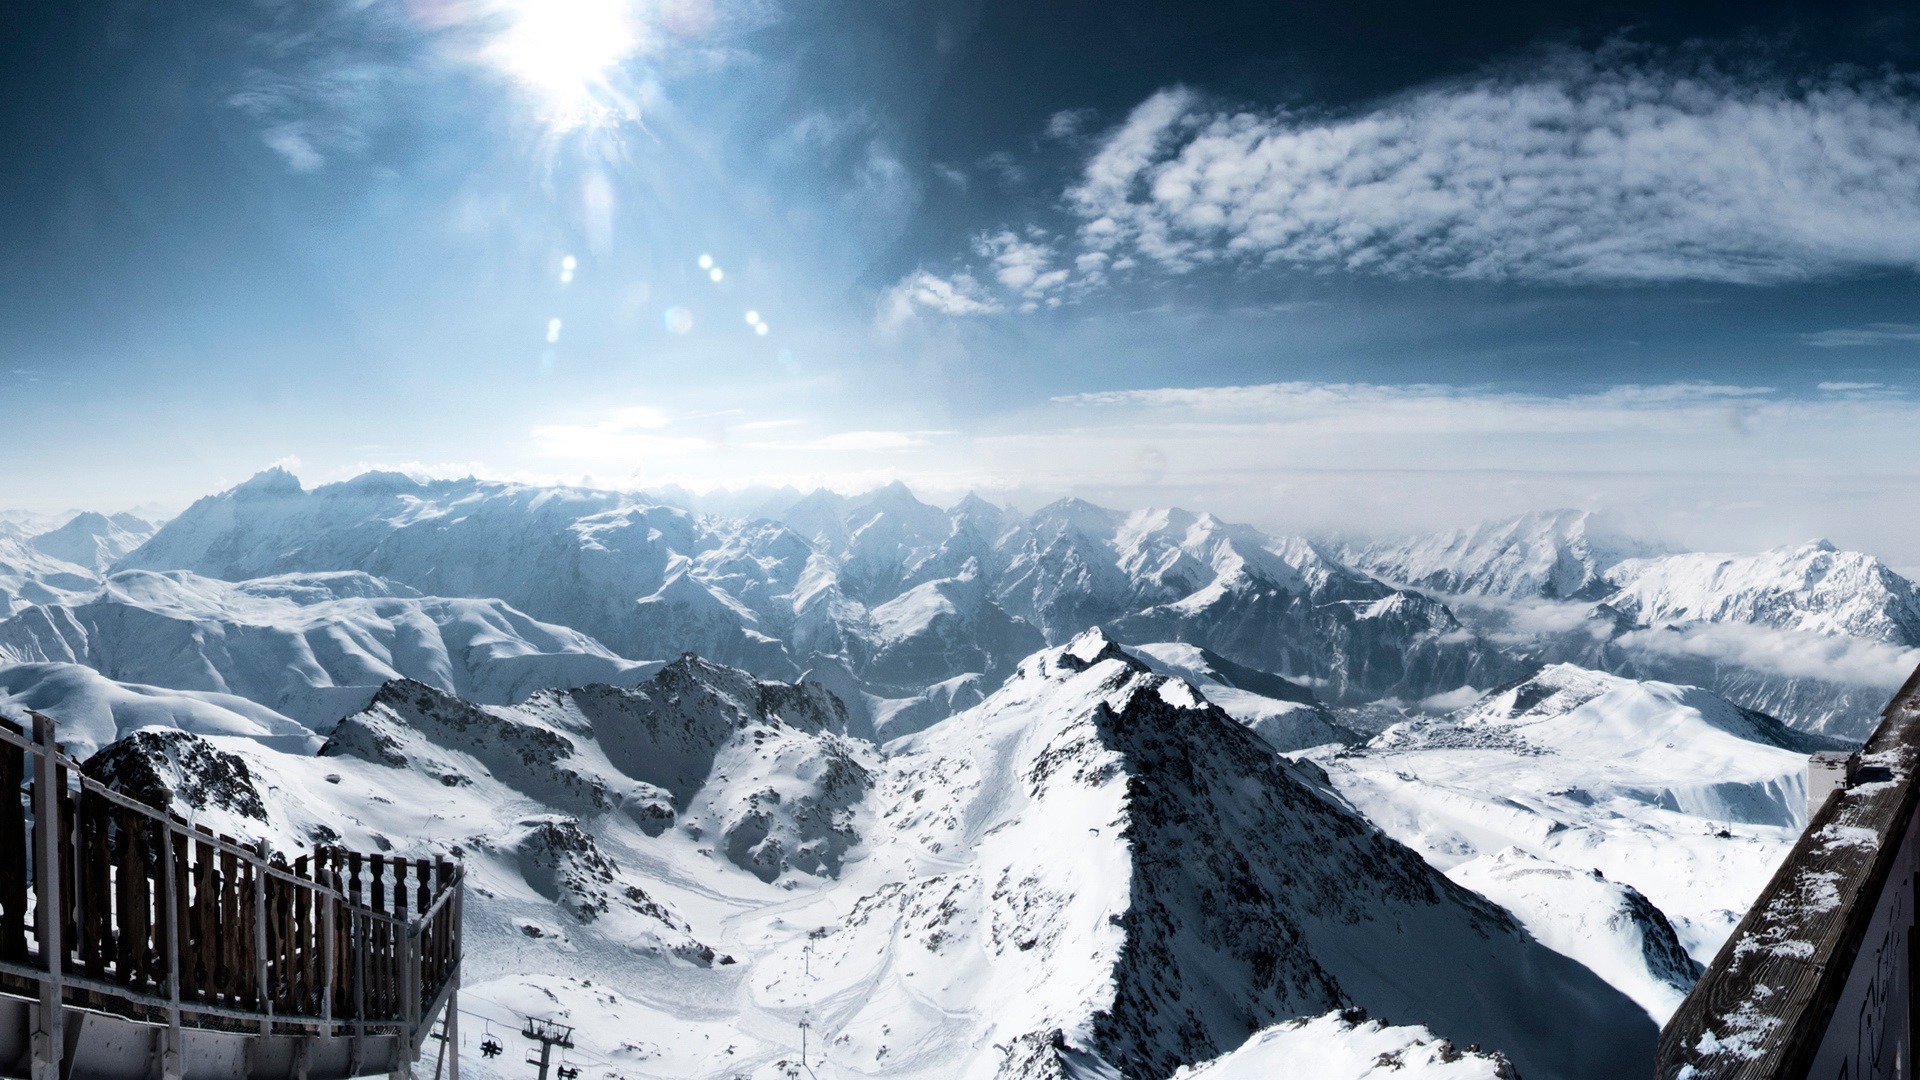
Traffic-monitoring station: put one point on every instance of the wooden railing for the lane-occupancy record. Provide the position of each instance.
(110, 905)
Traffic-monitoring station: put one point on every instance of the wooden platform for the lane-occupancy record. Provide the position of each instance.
(136, 944)
(1816, 981)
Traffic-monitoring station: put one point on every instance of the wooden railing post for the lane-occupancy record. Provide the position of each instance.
(49, 1031)
(263, 993)
(172, 1063)
(327, 962)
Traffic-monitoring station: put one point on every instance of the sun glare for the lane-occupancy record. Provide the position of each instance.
(566, 51)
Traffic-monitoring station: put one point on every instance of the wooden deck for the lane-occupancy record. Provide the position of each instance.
(112, 910)
(1816, 979)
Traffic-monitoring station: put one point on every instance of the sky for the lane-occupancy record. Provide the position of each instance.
(1362, 266)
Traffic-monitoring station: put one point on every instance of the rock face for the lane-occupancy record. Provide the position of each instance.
(178, 772)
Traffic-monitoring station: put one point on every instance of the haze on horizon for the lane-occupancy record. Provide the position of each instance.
(1313, 266)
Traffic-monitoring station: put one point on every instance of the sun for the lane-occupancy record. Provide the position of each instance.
(566, 52)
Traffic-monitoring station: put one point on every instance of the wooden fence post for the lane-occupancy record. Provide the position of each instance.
(172, 1060)
(264, 998)
(49, 1034)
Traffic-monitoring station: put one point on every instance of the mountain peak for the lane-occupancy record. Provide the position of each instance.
(269, 483)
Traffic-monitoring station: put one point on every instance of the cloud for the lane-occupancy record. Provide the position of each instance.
(1433, 409)
(1854, 337)
(923, 291)
(1602, 167)
(1845, 386)
(1854, 661)
(871, 440)
(622, 434)
(1022, 266)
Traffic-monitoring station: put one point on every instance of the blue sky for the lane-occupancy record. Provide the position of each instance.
(1317, 266)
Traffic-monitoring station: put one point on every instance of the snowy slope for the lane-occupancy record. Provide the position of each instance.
(310, 646)
(93, 711)
(31, 576)
(1284, 714)
(1685, 797)
(1095, 869)
(1606, 925)
(1341, 1046)
(1556, 554)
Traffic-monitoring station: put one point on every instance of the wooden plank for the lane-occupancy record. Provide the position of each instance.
(1762, 1008)
(13, 850)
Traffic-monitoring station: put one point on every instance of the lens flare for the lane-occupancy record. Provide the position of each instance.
(753, 318)
(760, 328)
(553, 331)
(716, 273)
(678, 320)
(566, 269)
(706, 262)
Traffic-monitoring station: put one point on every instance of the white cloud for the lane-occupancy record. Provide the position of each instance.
(1589, 168)
(1021, 266)
(622, 434)
(1784, 652)
(1846, 386)
(1414, 409)
(1854, 337)
(869, 440)
(923, 291)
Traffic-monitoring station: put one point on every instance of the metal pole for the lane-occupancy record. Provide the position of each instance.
(452, 1046)
(172, 1060)
(49, 1035)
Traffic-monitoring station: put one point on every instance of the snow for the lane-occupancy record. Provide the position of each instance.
(1095, 870)
(1668, 789)
(313, 647)
(93, 711)
(1606, 925)
(1335, 1047)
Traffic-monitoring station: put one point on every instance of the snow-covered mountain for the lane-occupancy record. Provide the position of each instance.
(94, 540)
(1814, 635)
(1810, 588)
(1681, 802)
(1555, 554)
(1094, 872)
(51, 559)
(900, 594)
(313, 647)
